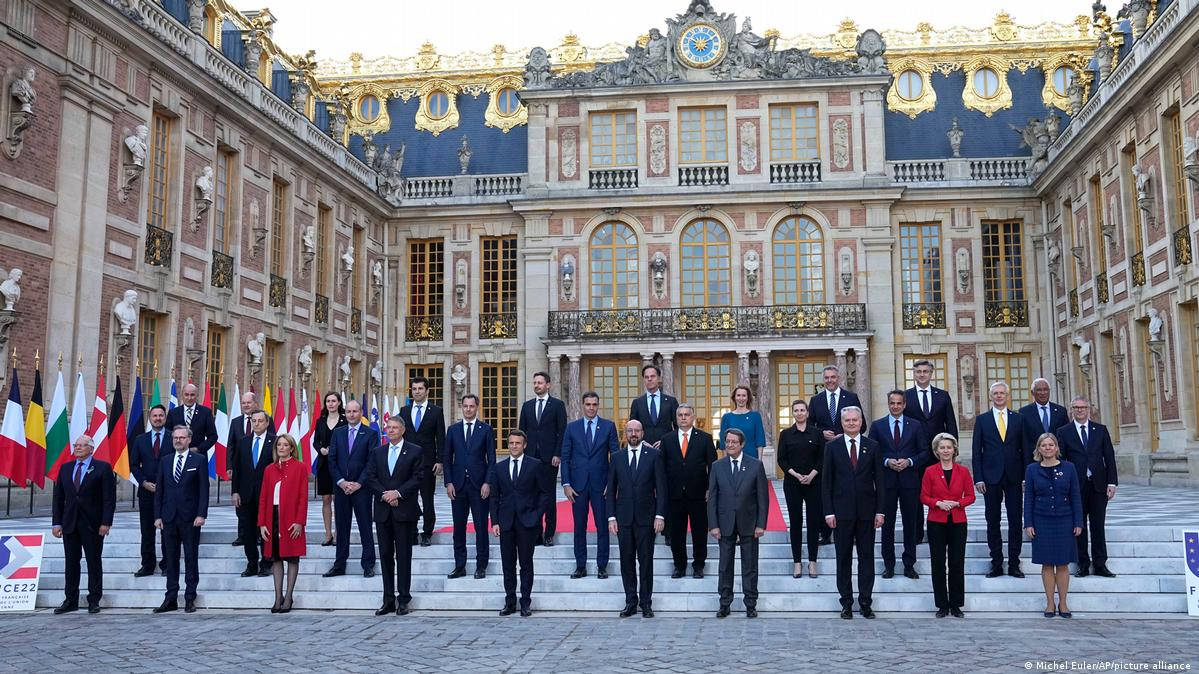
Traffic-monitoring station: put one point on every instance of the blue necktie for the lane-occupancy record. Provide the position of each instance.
(353, 434)
(256, 439)
(1084, 436)
(927, 410)
(590, 433)
(178, 467)
(78, 475)
(391, 459)
(653, 408)
(419, 415)
(832, 406)
(1045, 418)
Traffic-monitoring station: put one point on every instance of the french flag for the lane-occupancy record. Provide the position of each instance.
(17, 562)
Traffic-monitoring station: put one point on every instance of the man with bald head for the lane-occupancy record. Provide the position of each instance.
(1042, 415)
(242, 426)
(196, 417)
(349, 454)
(636, 504)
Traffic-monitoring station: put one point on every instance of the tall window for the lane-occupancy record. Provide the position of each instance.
(1129, 160)
(613, 139)
(1097, 218)
(272, 375)
(920, 262)
(499, 400)
(707, 279)
(222, 201)
(435, 373)
(938, 361)
(278, 222)
(1177, 159)
(359, 267)
(614, 271)
(147, 353)
(215, 357)
(1003, 261)
(798, 267)
(795, 379)
(617, 384)
(159, 170)
(793, 135)
(499, 275)
(426, 277)
(1015, 369)
(324, 234)
(707, 385)
(703, 135)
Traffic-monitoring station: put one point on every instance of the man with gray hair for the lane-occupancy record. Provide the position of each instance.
(1001, 451)
(1088, 446)
(84, 502)
(738, 506)
(1042, 415)
(689, 454)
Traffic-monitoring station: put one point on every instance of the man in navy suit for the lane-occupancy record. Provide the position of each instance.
(1088, 446)
(851, 487)
(656, 409)
(84, 502)
(241, 426)
(636, 498)
(1042, 415)
(144, 456)
(393, 477)
(932, 407)
(180, 507)
(254, 454)
(905, 448)
(1000, 453)
(586, 450)
(689, 454)
(543, 419)
(196, 417)
(425, 424)
(469, 454)
(826, 406)
(349, 453)
(517, 495)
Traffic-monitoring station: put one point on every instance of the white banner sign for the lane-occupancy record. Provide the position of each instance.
(1190, 550)
(20, 566)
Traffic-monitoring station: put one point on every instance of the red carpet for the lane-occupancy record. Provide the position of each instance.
(566, 518)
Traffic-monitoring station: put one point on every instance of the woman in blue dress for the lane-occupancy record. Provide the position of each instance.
(1052, 519)
(746, 420)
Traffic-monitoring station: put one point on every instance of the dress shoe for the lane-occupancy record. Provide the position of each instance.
(812, 570)
(250, 570)
(385, 609)
(911, 573)
(264, 571)
(1103, 571)
(888, 573)
(66, 607)
(602, 573)
(143, 572)
(480, 573)
(678, 573)
(1015, 572)
(334, 572)
(189, 606)
(548, 542)
(275, 608)
(697, 573)
(166, 606)
(647, 612)
(867, 613)
(403, 609)
(628, 610)
(846, 614)
(525, 613)
(93, 608)
(508, 609)
(942, 612)
(1082, 572)
(751, 612)
(237, 542)
(723, 612)
(994, 572)
(368, 573)
(286, 608)
(426, 540)
(825, 540)
(956, 612)
(457, 573)
(579, 573)
(797, 571)
(329, 542)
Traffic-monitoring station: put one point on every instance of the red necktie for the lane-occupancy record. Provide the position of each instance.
(157, 443)
(78, 475)
(247, 425)
(853, 453)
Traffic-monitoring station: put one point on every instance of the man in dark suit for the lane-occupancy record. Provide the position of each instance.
(905, 455)
(425, 424)
(738, 505)
(349, 454)
(656, 409)
(543, 419)
(689, 454)
(1042, 415)
(469, 454)
(84, 502)
(517, 495)
(196, 417)
(253, 456)
(393, 477)
(826, 406)
(241, 426)
(587, 448)
(851, 488)
(1088, 446)
(999, 455)
(144, 456)
(180, 507)
(931, 406)
(636, 498)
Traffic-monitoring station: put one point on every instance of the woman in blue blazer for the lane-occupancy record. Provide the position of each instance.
(1052, 519)
(745, 420)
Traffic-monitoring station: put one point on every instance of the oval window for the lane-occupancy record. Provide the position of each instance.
(1062, 77)
(986, 82)
(369, 108)
(438, 104)
(910, 85)
(507, 102)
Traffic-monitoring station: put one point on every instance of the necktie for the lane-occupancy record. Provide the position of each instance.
(633, 463)
(927, 409)
(832, 407)
(736, 471)
(178, 466)
(540, 407)
(391, 459)
(188, 413)
(157, 443)
(653, 408)
(853, 453)
(256, 440)
(1001, 422)
(353, 434)
(247, 432)
(515, 469)
(470, 427)
(683, 445)
(419, 415)
(78, 475)
(1045, 418)
(590, 433)
(1083, 430)
(897, 432)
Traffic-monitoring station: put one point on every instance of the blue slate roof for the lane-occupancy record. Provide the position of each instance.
(231, 45)
(281, 82)
(177, 9)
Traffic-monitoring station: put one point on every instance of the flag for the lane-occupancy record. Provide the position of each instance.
(35, 436)
(266, 402)
(78, 424)
(307, 425)
(58, 437)
(97, 428)
(12, 437)
(207, 401)
(174, 400)
(280, 413)
(375, 414)
(385, 412)
(292, 425)
(135, 427)
(395, 406)
(114, 443)
(222, 437)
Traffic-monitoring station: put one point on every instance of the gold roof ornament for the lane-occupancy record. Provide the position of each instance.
(426, 58)
(1003, 29)
(570, 50)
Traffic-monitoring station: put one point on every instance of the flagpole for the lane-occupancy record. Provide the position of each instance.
(8, 489)
(37, 365)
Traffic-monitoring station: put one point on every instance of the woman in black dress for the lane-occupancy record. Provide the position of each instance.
(801, 451)
(332, 416)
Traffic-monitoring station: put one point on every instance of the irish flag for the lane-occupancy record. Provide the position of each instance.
(35, 436)
(58, 438)
(12, 437)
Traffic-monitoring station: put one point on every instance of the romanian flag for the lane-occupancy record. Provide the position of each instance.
(58, 437)
(12, 437)
(35, 436)
(221, 452)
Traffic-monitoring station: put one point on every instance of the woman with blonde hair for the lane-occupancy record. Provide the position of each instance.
(947, 489)
(745, 420)
(282, 515)
(1052, 519)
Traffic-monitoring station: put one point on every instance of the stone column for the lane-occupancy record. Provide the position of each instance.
(647, 358)
(863, 383)
(839, 361)
(742, 368)
(767, 408)
(534, 303)
(668, 374)
(574, 400)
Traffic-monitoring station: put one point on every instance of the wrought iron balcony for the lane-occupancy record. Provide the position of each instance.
(923, 315)
(424, 329)
(160, 244)
(1182, 247)
(777, 320)
(277, 294)
(497, 326)
(1102, 294)
(355, 321)
(613, 179)
(321, 311)
(703, 176)
(1136, 267)
(222, 270)
(795, 172)
(1007, 314)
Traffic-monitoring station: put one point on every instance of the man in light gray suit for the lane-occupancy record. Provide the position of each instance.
(738, 503)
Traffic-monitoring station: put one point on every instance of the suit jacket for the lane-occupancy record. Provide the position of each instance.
(186, 499)
(430, 435)
(1098, 456)
(941, 419)
(913, 444)
(639, 410)
(741, 505)
(993, 458)
(545, 436)
(687, 477)
(637, 497)
(1058, 417)
(203, 427)
(89, 507)
(585, 464)
(349, 463)
(143, 465)
(247, 475)
(933, 488)
(237, 431)
(848, 493)
(519, 502)
(819, 414)
(406, 478)
(460, 457)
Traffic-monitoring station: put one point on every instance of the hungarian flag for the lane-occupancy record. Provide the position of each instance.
(12, 437)
(58, 437)
(97, 428)
(280, 413)
(35, 436)
(307, 426)
(135, 428)
(78, 425)
(221, 456)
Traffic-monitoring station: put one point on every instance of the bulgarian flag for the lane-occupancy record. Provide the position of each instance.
(78, 427)
(130, 431)
(35, 436)
(97, 429)
(12, 437)
(222, 437)
(58, 438)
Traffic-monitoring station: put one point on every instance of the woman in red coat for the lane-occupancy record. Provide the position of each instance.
(282, 514)
(947, 489)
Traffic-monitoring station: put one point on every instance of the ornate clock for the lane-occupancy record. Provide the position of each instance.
(701, 46)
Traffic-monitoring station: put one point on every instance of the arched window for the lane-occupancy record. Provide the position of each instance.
(705, 252)
(614, 270)
(798, 262)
